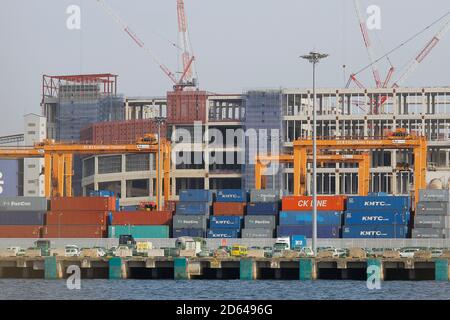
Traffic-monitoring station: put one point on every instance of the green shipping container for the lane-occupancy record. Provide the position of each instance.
(139, 231)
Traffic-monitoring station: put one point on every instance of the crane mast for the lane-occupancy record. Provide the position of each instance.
(186, 56)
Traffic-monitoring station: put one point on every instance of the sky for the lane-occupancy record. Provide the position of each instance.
(238, 45)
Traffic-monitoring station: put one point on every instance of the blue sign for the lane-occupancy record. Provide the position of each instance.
(298, 241)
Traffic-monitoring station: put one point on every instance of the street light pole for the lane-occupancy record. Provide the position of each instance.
(314, 58)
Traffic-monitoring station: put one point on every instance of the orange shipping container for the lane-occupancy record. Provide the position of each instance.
(83, 204)
(77, 217)
(228, 208)
(74, 231)
(142, 218)
(304, 203)
(20, 231)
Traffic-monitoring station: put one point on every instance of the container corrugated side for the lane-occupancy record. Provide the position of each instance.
(257, 233)
(142, 218)
(83, 203)
(139, 231)
(21, 218)
(23, 204)
(229, 208)
(20, 231)
(430, 233)
(194, 208)
(9, 178)
(196, 195)
(433, 195)
(189, 221)
(230, 222)
(433, 207)
(375, 217)
(379, 203)
(265, 195)
(323, 231)
(265, 222)
(431, 221)
(77, 217)
(74, 231)
(374, 231)
(190, 232)
(231, 195)
(304, 203)
(223, 233)
(305, 217)
(262, 208)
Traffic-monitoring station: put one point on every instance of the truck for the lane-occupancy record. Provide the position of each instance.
(142, 247)
(189, 243)
(283, 243)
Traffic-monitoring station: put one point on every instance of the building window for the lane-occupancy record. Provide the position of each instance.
(32, 124)
(88, 167)
(137, 162)
(110, 164)
(114, 186)
(31, 132)
(138, 188)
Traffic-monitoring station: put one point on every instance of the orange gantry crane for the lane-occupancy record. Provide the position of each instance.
(399, 139)
(300, 172)
(59, 158)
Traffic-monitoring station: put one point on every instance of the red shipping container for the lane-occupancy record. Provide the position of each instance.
(74, 231)
(304, 203)
(20, 231)
(142, 218)
(77, 217)
(228, 208)
(83, 204)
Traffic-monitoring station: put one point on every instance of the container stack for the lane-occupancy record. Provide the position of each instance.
(432, 218)
(228, 210)
(192, 213)
(79, 217)
(262, 214)
(296, 216)
(22, 217)
(377, 217)
(140, 224)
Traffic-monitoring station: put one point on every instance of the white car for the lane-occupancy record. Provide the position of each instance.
(307, 251)
(436, 253)
(408, 252)
(14, 250)
(71, 251)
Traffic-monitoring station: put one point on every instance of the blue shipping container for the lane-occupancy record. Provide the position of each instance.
(379, 202)
(374, 232)
(199, 195)
(9, 178)
(305, 217)
(231, 195)
(262, 208)
(223, 233)
(323, 231)
(230, 222)
(192, 208)
(375, 217)
(199, 233)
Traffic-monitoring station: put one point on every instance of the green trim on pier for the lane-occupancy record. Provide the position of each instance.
(50, 268)
(180, 269)
(115, 268)
(306, 269)
(374, 263)
(246, 269)
(441, 270)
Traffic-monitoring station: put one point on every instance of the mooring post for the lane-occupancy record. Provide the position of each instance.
(441, 270)
(180, 268)
(307, 269)
(52, 269)
(375, 269)
(115, 268)
(247, 269)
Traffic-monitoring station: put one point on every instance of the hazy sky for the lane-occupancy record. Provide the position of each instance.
(239, 44)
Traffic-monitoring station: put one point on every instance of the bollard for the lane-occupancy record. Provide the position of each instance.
(246, 269)
(441, 270)
(115, 268)
(306, 269)
(180, 271)
(50, 268)
(375, 270)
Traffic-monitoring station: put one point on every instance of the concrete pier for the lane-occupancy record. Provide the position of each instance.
(181, 268)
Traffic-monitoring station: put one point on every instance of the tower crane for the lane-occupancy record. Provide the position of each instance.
(185, 80)
(186, 55)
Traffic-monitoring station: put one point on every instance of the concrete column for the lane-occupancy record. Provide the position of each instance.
(115, 268)
(26, 273)
(441, 270)
(375, 269)
(180, 266)
(307, 269)
(247, 269)
(154, 272)
(277, 273)
(52, 268)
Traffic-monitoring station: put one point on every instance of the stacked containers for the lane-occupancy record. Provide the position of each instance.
(377, 217)
(140, 224)
(192, 213)
(296, 216)
(79, 217)
(262, 214)
(432, 218)
(22, 217)
(228, 211)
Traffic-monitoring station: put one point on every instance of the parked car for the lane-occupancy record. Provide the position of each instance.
(436, 253)
(14, 250)
(307, 251)
(71, 251)
(341, 253)
(205, 253)
(408, 252)
(268, 252)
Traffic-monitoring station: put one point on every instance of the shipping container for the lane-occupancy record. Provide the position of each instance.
(398, 203)
(304, 203)
(77, 217)
(142, 218)
(22, 218)
(437, 208)
(231, 195)
(190, 232)
(265, 195)
(374, 231)
(435, 195)
(431, 221)
(230, 222)
(229, 208)
(430, 233)
(305, 217)
(139, 231)
(375, 217)
(265, 222)
(9, 178)
(196, 195)
(74, 231)
(262, 208)
(257, 233)
(194, 208)
(223, 233)
(20, 231)
(83, 203)
(189, 221)
(23, 204)
(323, 231)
